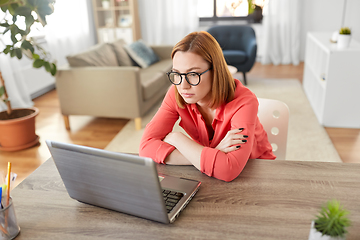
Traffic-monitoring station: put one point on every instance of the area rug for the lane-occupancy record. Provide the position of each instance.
(307, 139)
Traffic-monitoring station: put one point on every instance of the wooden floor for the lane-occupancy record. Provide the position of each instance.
(98, 132)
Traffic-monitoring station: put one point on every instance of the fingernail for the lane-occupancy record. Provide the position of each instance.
(241, 129)
(244, 140)
(238, 146)
(245, 136)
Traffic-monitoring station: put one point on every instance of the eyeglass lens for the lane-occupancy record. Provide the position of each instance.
(192, 78)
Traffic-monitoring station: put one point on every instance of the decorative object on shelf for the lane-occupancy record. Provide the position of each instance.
(125, 21)
(17, 126)
(105, 4)
(344, 37)
(331, 222)
(334, 37)
(255, 10)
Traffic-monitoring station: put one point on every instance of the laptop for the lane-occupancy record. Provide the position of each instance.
(122, 182)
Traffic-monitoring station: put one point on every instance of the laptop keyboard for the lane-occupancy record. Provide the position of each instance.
(171, 198)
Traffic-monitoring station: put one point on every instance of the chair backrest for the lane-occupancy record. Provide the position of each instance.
(232, 37)
(274, 116)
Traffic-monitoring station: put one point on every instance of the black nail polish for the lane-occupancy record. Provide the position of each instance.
(241, 129)
(245, 136)
(244, 140)
(238, 146)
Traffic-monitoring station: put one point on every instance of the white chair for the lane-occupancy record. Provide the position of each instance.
(274, 116)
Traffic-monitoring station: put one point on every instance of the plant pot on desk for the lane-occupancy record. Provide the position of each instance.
(316, 235)
(18, 129)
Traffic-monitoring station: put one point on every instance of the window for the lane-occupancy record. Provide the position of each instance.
(215, 10)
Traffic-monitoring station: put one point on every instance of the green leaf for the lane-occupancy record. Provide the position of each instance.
(29, 20)
(47, 66)
(7, 49)
(45, 8)
(35, 56)
(12, 8)
(4, 8)
(27, 45)
(18, 53)
(12, 53)
(38, 63)
(23, 11)
(53, 69)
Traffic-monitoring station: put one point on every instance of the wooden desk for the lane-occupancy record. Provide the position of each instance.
(269, 200)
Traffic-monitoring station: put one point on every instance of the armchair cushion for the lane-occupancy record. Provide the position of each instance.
(98, 55)
(235, 56)
(121, 55)
(141, 53)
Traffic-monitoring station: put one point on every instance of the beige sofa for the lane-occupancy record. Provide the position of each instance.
(94, 84)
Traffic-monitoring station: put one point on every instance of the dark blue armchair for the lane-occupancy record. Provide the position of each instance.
(238, 43)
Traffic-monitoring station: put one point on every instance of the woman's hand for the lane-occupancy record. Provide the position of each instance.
(232, 141)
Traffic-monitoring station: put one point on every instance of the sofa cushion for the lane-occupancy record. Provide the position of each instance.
(121, 55)
(163, 66)
(98, 55)
(141, 53)
(151, 82)
(235, 56)
(154, 78)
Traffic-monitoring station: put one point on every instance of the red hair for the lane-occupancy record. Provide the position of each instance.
(206, 46)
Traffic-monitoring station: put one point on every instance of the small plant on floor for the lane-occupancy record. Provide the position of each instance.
(345, 31)
(332, 220)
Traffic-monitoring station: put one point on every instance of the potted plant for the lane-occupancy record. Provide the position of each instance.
(344, 38)
(17, 126)
(331, 222)
(255, 10)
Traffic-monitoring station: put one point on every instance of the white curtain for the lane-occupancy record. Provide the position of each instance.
(69, 30)
(282, 32)
(167, 21)
(15, 85)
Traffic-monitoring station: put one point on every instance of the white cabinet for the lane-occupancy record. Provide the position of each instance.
(332, 80)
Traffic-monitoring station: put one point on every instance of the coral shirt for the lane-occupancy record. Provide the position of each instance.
(241, 112)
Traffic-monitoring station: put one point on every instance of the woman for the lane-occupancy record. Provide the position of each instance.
(216, 110)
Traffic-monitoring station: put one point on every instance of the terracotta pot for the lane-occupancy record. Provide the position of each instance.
(18, 132)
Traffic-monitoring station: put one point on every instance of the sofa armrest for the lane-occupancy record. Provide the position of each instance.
(163, 51)
(100, 91)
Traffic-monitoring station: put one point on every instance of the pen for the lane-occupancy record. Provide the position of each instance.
(8, 184)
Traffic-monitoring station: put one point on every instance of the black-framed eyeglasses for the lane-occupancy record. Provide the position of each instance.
(193, 78)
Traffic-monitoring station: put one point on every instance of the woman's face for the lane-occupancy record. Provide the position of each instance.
(184, 62)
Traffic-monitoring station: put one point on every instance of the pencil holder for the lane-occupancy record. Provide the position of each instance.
(9, 227)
